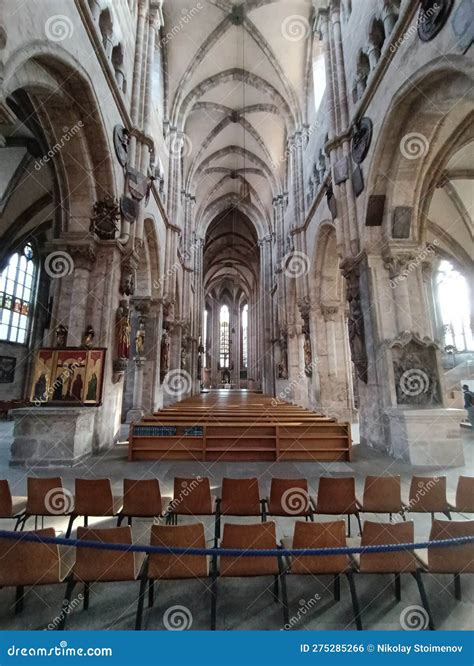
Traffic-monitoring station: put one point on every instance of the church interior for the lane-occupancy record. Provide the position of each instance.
(236, 311)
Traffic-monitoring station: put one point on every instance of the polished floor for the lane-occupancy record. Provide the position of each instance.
(242, 604)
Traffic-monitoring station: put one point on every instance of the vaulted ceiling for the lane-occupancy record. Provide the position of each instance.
(237, 87)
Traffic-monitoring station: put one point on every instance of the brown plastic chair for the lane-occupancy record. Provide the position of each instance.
(191, 497)
(394, 562)
(289, 497)
(239, 497)
(102, 566)
(175, 567)
(454, 560)
(28, 564)
(141, 499)
(250, 537)
(428, 495)
(11, 506)
(323, 535)
(464, 495)
(47, 497)
(336, 497)
(383, 494)
(94, 498)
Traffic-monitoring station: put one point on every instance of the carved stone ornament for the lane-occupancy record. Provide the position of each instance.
(361, 139)
(432, 16)
(123, 329)
(137, 183)
(463, 24)
(415, 370)
(121, 144)
(61, 336)
(129, 208)
(105, 217)
(331, 201)
(357, 180)
(127, 280)
(341, 171)
(356, 327)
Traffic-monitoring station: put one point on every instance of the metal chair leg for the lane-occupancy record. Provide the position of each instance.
(85, 605)
(151, 593)
(398, 587)
(141, 601)
(337, 587)
(72, 518)
(213, 602)
(284, 599)
(120, 518)
(20, 594)
(86, 521)
(275, 589)
(457, 586)
(129, 521)
(360, 524)
(67, 600)
(424, 598)
(217, 529)
(348, 524)
(355, 600)
(447, 514)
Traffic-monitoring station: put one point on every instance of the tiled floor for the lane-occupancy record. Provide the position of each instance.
(243, 604)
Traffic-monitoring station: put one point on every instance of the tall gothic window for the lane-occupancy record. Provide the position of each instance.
(319, 77)
(204, 339)
(453, 297)
(16, 291)
(245, 336)
(224, 337)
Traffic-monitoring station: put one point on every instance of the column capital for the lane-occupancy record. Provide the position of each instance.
(329, 312)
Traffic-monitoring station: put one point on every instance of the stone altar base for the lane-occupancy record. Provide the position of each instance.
(426, 437)
(52, 436)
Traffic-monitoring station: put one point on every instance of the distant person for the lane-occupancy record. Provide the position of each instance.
(469, 404)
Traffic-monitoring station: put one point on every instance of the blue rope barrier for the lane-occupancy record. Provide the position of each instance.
(234, 552)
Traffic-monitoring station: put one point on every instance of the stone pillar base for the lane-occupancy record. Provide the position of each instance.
(134, 415)
(52, 436)
(426, 437)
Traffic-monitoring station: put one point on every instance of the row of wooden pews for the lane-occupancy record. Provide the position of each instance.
(225, 426)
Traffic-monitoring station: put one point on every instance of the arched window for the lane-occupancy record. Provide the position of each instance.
(319, 76)
(245, 337)
(453, 298)
(16, 291)
(224, 337)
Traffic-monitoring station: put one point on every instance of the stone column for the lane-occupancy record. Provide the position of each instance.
(330, 313)
(83, 256)
(268, 361)
(395, 266)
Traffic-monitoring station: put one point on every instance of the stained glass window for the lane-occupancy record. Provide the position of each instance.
(245, 330)
(224, 337)
(16, 289)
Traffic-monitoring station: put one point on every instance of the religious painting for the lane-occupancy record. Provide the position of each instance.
(68, 376)
(7, 369)
(94, 377)
(41, 383)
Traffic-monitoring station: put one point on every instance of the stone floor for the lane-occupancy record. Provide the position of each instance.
(243, 604)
